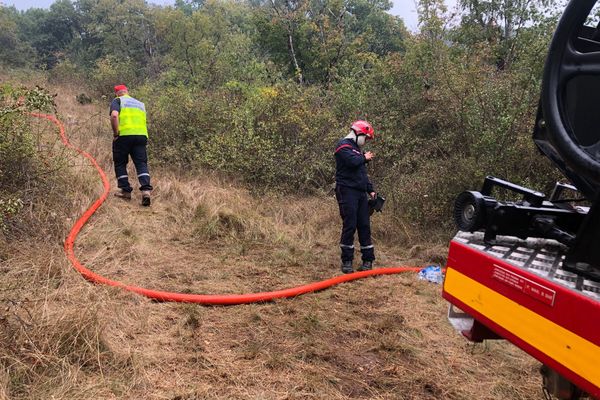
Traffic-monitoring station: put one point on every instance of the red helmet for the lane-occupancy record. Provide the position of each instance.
(363, 128)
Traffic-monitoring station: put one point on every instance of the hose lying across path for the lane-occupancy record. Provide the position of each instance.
(227, 299)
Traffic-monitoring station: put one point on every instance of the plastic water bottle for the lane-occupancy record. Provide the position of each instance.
(432, 273)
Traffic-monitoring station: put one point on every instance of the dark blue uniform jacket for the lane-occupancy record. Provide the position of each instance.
(351, 166)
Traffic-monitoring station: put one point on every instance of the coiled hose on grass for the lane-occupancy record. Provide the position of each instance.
(208, 299)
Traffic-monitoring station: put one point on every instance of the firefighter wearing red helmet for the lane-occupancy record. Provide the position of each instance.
(352, 191)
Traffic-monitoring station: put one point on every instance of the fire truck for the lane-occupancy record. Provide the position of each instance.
(527, 269)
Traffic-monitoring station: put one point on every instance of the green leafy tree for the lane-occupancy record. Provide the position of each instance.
(279, 22)
(49, 32)
(189, 6)
(381, 32)
(13, 51)
(314, 38)
(210, 46)
(499, 23)
(122, 29)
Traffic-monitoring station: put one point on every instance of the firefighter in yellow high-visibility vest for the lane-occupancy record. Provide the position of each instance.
(128, 121)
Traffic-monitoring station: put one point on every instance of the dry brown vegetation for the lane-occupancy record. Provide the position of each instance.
(379, 338)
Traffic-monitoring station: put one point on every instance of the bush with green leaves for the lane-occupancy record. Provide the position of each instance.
(23, 174)
(277, 137)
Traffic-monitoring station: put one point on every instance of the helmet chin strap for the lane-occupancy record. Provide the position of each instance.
(351, 136)
(360, 140)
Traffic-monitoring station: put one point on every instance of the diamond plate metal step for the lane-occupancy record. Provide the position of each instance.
(543, 257)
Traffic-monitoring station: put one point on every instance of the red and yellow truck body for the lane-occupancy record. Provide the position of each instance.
(516, 290)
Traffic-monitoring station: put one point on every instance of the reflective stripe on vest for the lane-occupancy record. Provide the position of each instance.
(132, 117)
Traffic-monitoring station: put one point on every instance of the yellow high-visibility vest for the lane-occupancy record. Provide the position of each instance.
(132, 117)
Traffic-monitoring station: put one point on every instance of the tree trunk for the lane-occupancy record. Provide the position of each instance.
(294, 59)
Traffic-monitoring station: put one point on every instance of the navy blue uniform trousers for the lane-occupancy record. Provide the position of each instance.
(354, 210)
(134, 146)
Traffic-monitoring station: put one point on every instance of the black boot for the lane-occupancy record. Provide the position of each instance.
(366, 266)
(347, 267)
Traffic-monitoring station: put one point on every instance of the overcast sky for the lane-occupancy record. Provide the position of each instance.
(403, 8)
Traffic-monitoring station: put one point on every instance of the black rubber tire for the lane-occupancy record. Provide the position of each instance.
(469, 211)
(562, 64)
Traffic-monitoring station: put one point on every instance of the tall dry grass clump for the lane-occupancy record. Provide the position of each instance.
(215, 208)
(58, 346)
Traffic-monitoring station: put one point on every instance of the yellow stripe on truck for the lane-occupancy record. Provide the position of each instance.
(574, 352)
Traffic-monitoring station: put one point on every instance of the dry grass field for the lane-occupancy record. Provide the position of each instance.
(378, 338)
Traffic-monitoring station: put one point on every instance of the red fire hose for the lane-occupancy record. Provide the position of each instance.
(214, 299)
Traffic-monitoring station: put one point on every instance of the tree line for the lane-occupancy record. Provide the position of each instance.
(309, 41)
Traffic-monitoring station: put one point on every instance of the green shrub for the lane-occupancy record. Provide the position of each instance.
(23, 174)
(273, 137)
